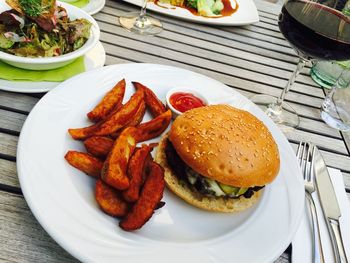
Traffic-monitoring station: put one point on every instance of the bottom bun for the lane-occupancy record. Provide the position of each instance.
(181, 189)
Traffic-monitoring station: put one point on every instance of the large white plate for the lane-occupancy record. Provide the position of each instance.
(93, 59)
(62, 198)
(93, 7)
(246, 13)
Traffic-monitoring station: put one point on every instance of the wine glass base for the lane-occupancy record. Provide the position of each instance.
(333, 122)
(285, 118)
(142, 25)
(336, 117)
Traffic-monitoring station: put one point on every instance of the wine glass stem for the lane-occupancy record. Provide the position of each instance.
(300, 66)
(338, 84)
(143, 9)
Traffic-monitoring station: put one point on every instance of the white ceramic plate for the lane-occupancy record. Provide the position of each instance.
(93, 7)
(62, 198)
(246, 13)
(93, 59)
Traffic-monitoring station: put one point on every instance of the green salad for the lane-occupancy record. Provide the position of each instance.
(40, 28)
(208, 8)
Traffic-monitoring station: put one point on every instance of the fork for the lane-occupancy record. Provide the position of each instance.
(305, 156)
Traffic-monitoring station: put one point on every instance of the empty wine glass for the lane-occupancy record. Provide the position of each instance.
(335, 110)
(316, 29)
(140, 22)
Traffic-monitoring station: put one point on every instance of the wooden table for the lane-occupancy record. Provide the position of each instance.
(251, 59)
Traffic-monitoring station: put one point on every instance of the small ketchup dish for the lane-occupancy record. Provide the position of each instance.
(180, 100)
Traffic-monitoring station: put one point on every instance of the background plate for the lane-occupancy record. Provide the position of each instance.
(246, 14)
(62, 198)
(94, 6)
(93, 59)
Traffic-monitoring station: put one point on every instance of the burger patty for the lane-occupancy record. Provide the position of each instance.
(180, 169)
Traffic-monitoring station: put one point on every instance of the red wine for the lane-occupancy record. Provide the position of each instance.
(315, 30)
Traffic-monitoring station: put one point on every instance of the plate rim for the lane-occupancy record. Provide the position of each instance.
(199, 20)
(80, 256)
(54, 84)
(98, 8)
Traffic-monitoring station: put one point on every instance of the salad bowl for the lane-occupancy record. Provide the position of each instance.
(47, 63)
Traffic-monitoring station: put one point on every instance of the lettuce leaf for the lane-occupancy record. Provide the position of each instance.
(209, 8)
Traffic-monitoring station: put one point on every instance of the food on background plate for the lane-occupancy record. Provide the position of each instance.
(40, 28)
(129, 184)
(206, 8)
(218, 158)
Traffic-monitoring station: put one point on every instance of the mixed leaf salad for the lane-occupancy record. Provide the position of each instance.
(40, 28)
(208, 8)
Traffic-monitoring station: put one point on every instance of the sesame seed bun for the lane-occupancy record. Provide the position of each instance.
(181, 189)
(226, 144)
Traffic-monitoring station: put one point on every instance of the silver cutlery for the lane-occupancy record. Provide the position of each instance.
(305, 156)
(330, 206)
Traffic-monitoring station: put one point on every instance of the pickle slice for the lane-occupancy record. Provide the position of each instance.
(242, 190)
(231, 190)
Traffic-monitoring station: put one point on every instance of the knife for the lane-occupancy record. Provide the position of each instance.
(330, 207)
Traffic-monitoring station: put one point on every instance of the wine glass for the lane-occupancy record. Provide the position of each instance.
(317, 29)
(335, 110)
(140, 22)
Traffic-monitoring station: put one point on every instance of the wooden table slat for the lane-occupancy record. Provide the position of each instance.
(11, 120)
(191, 58)
(8, 173)
(213, 51)
(18, 102)
(218, 31)
(22, 239)
(8, 144)
(120, 51)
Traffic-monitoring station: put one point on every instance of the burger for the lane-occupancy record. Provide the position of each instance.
(218, 158)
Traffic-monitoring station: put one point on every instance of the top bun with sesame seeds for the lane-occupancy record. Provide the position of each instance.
(226, 150)
(226, 144)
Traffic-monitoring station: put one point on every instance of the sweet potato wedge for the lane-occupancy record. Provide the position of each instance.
(99, 146)
(113, 122)
(154, 127)
(151, 194)
(114, 168)
(153, 103)
(112, 101)
(84, 162)
(134, 121)
(110, 200)
(135, 172)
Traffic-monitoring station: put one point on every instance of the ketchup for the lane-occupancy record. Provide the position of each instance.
(185, 101)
